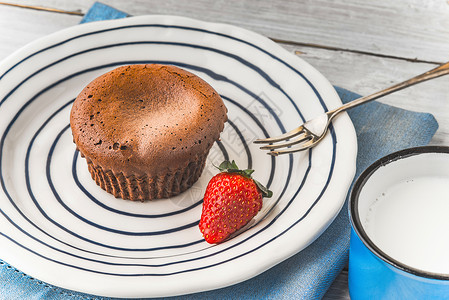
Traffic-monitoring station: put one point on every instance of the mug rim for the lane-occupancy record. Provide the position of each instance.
(356, 224)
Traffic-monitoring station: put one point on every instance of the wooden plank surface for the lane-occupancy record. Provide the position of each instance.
(359, 45)
(362, 73)
(411, 29)
(19, 26)
(339, 288)
(366, 74)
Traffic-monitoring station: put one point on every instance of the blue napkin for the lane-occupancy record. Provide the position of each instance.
(381, 129)
(100, 11)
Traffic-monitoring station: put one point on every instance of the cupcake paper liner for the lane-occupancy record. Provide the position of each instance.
(147, 187)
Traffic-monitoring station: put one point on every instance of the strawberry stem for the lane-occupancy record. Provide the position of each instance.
(231, 167)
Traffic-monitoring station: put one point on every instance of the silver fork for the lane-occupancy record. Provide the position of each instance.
(309, 134)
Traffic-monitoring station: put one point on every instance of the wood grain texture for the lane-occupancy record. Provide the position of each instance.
(366, 74)
(19, 26)
(359, 45)
(408, 29)
(339, 288)
(361, 73)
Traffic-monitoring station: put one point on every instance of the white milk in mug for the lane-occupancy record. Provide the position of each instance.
(409, 221)
(404, 210)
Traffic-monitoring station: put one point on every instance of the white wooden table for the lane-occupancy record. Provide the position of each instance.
(359, 45)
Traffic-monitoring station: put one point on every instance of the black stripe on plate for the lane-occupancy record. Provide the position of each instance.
(333, 135)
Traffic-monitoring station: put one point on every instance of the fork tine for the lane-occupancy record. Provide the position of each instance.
(281, 137)
(303, 147)
(302, 137)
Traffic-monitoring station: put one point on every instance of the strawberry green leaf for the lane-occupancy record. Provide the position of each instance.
(265, 192)
(248, 172)
(227, 166)
(232, 167)
(224, 166)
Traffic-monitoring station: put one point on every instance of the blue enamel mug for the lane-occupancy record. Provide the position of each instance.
(399, 213)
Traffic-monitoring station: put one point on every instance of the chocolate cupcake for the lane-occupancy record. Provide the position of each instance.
(146, 130)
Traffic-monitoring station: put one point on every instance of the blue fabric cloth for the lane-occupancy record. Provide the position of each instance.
(100, 11)
(381, 129)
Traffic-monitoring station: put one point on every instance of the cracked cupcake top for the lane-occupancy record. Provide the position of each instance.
(141, 119)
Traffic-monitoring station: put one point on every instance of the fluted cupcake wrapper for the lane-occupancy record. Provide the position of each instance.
(147, 187)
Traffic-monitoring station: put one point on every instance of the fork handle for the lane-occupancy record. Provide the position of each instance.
(434, 73)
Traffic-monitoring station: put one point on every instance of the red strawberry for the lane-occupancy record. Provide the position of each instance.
(231, 200)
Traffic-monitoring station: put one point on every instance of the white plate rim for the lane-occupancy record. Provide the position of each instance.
(41, 43)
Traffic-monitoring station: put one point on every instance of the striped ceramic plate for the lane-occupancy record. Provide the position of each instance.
(58, 226)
